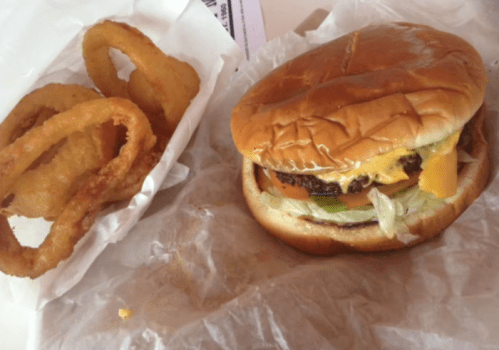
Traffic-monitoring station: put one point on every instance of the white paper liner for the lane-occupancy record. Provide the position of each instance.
(199, 273)
(48, 49)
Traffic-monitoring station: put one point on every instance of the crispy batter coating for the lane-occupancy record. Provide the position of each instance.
(44, 189)
(83, 207)
(160, 80)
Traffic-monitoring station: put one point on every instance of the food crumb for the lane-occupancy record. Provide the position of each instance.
(125, 314)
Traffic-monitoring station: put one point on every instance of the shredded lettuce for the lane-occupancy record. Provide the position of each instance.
(389, 212)
(296, 207)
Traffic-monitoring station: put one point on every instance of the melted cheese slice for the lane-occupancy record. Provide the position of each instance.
(383, 168)
(439, 175)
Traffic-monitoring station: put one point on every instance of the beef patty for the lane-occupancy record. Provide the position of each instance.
(317, 187)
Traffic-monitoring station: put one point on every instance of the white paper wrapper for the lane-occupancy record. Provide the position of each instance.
(43, 45)
(199, 273)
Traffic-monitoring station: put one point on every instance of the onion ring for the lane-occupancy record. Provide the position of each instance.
(134, 180)
(173, 82)
(80, 212)
(44, 189)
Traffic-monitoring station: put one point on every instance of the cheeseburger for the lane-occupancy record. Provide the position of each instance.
(370, 142)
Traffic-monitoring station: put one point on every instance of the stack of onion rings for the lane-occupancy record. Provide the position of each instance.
(68, 138)
(161, 85)
(45, 188)
(81, 210)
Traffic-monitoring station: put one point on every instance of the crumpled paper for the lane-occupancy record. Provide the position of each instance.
(42, 44)
(199, 273)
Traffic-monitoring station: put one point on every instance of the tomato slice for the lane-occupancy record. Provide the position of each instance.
(343, 202)
(287, 190)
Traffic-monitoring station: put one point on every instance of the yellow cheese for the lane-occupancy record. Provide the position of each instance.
(439, 175)
(383, 168)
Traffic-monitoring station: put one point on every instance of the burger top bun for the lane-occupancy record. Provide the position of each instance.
(366, 93)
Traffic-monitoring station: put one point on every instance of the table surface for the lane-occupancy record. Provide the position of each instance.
(280, 16)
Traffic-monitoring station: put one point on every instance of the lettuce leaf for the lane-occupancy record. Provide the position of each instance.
(389, 212)
(297, 208)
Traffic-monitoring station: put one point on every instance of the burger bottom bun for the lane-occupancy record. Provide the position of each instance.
(328, 239)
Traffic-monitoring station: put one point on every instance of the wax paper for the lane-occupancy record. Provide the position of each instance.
(41, 44)
(198, 272)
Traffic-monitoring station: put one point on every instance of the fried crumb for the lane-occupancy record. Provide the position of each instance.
(125, 314)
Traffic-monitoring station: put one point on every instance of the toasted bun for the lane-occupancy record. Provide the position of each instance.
(366, 93)
(329, 238)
